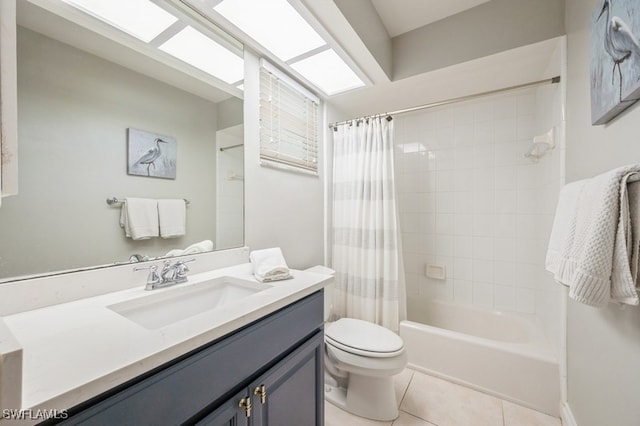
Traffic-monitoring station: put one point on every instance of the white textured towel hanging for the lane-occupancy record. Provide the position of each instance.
(594, 256)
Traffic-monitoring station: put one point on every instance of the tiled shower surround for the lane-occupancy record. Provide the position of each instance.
(470, 201)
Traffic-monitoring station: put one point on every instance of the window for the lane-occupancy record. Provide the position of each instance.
(288, 122)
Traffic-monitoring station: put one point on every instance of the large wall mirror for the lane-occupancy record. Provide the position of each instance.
(80, 88)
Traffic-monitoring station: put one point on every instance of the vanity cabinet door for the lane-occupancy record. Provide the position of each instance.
(291, 393)
(230, 413)
(288, 394)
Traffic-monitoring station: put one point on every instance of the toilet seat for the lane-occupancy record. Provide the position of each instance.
(363, 338)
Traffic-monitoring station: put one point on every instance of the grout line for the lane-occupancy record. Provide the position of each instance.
(413, 374)
(407, 388)
(416, 417)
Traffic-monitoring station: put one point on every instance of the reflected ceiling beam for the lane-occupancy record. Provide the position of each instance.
(171, 31)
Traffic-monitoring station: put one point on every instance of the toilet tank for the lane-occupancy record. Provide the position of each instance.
(328, 290)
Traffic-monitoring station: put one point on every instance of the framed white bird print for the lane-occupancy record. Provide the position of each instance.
(615, 58)
(151, 154)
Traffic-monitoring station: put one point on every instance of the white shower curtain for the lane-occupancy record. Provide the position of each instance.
(366, 251)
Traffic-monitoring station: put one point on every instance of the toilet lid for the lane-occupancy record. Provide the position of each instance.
(363, 338)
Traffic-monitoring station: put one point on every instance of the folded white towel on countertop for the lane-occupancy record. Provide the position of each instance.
(269, 265)
(172, 217)
(594, 260)
(139, 218)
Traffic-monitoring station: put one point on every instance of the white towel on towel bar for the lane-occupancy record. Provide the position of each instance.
(173, 218)
(634, 212)
(269, 265)
(562, 222)
(595, 257)
(139, 218)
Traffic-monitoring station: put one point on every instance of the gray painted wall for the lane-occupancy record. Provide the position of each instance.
(482, 31)
(74, 109)
(603, 344)
(282, 209)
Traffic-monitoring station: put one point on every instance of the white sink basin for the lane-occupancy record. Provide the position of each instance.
(175, 304)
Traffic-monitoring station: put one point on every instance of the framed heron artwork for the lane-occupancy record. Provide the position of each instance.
(150, 154)
(615, 58)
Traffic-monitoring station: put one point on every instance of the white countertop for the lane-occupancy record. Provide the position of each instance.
(76, 350)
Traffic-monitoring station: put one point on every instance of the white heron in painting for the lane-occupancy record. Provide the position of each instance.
(149, 157)
(619, 41)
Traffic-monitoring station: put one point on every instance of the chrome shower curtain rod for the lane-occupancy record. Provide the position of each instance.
(553, 80)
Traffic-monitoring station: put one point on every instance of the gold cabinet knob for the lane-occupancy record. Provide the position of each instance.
(246, 404)
(262, 391)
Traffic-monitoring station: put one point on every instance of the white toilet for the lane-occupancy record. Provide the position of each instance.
(360, 361)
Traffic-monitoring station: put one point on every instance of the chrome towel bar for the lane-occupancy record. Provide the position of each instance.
(113, 200)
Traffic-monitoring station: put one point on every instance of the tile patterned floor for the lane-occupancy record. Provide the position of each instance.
(428, 401)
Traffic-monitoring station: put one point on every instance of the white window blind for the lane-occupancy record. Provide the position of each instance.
(288, 122)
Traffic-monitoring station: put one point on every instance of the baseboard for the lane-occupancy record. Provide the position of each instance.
(566, 415)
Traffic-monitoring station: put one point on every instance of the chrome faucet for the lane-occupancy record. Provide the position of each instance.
(168, 276)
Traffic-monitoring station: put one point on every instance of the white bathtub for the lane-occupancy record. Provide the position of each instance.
(503, 354)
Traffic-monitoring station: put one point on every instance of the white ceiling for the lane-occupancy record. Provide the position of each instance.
(401, 16)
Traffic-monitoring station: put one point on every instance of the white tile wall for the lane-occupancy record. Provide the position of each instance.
(469, 199)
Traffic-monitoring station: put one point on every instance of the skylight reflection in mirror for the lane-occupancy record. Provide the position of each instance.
(140, 18)
(198, 50)
(146, 21)
(275, 24)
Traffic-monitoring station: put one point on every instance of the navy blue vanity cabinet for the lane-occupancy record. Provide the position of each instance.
(286, 394)
(267, 373)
